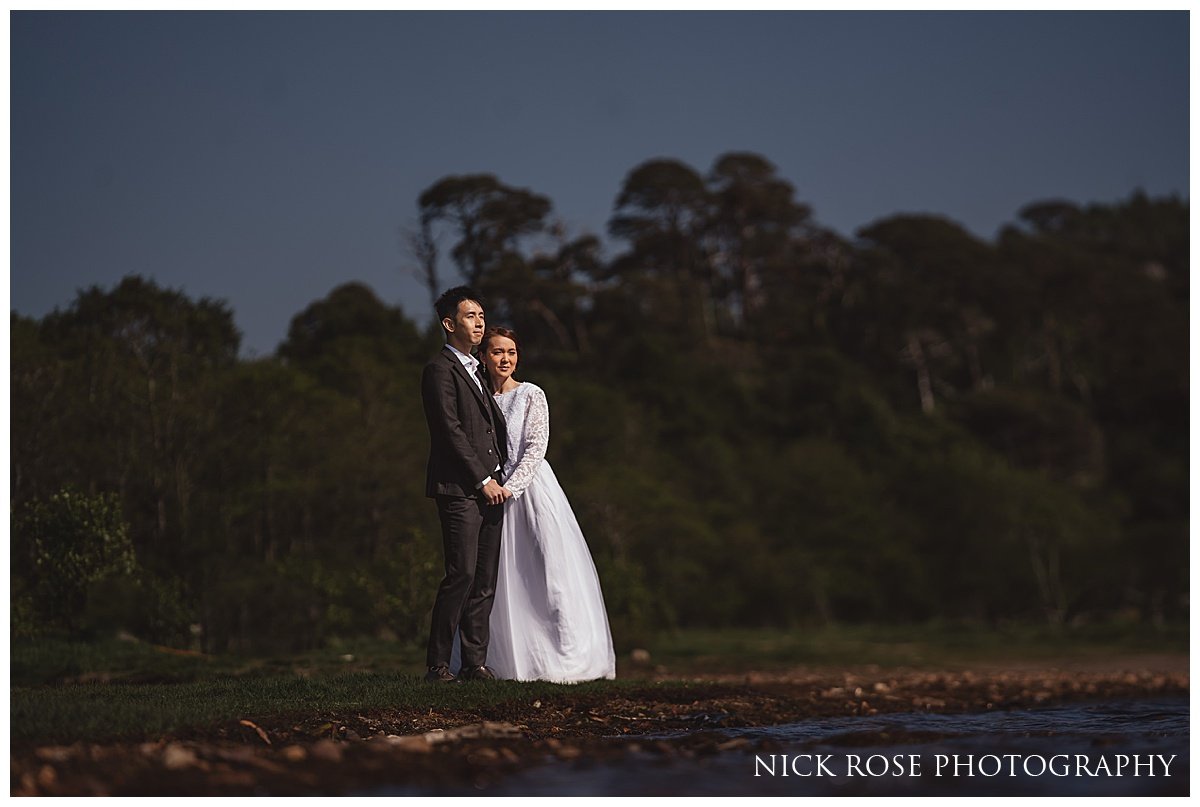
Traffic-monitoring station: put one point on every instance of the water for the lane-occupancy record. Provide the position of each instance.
(1075, 750)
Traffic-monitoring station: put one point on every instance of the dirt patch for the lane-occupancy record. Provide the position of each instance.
(422, 749)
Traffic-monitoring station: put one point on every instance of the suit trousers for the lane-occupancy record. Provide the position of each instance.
(471, 546)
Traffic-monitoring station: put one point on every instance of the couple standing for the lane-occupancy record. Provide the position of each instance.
(520, 593)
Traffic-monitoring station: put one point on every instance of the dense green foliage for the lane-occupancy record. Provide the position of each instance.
(61, 549)
(758, 422)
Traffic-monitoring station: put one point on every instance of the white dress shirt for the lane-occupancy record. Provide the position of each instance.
(469, 362)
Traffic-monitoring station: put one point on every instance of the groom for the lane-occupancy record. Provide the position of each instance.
(467, 442)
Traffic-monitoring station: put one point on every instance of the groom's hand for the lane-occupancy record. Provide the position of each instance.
(494, 493)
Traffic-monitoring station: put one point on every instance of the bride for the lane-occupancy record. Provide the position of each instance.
(548, 621)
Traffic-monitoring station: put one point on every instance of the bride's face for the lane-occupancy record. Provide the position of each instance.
(501, 357)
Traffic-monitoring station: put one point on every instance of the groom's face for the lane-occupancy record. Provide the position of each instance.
(466, 329)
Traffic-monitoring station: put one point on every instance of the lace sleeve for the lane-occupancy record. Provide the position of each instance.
(535, 439)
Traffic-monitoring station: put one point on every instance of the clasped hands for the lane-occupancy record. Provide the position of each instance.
(495, 493)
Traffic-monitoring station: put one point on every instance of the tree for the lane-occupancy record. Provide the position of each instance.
(542, 297)
(487, 216)
(142, 364)
(663, 211)
(754, 222)
(925, 279)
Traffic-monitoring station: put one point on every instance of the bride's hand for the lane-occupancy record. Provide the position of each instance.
(494, 493)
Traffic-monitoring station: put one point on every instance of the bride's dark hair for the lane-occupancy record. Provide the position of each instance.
(498, 331)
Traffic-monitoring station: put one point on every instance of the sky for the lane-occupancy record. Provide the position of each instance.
(267, 158)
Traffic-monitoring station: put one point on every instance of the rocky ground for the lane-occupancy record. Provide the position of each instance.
(363, 752)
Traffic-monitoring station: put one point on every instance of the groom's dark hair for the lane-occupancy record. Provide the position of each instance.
(447, 304)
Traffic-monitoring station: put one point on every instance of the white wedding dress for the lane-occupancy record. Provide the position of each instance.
(548, 621)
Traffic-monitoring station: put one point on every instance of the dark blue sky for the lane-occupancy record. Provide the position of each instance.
(267, 158)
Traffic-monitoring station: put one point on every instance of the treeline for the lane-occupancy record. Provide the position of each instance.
(758, 422)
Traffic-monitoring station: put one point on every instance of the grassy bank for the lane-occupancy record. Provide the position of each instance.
(939, 645)
(133, 712)
(120, 690)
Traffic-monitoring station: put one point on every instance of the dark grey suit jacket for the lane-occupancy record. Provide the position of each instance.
(467, 438)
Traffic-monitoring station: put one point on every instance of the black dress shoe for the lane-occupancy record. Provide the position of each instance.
(440, 675)
(476, 674)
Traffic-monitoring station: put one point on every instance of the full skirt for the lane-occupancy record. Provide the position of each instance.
(548, 621)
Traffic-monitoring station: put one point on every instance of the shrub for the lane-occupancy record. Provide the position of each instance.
(61, 548)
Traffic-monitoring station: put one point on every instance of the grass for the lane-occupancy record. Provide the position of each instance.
(117, 690)
(44, 661)
(132, 712)
(114, 690)
(944, 645)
